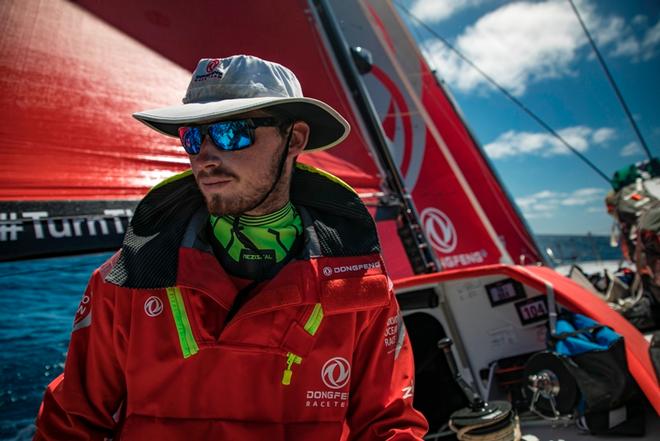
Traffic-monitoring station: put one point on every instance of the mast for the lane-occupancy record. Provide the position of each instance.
(410, 231)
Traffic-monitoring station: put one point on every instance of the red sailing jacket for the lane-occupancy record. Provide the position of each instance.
(320, 352)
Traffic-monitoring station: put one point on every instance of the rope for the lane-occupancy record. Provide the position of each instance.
(610, 78)
(506, 93)
(508, 433)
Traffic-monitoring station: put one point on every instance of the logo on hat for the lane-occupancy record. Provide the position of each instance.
(439, 229)
(336, 372)
(207, 70)
(233, 79)
(212, 64)
(153, 306)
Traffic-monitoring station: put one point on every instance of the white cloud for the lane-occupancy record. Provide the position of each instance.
(639, 20)
(603, 135)
(604, 29)
(523, 43)
(583, 196)
(651, 42)
(630, 149)
(615, 32)
(435, 11)
(626, 47)
(516, 44)
(512, 143)
(546, 203)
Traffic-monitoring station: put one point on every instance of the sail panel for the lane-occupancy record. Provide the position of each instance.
(69, 83)
(467, 216)
(72, 73)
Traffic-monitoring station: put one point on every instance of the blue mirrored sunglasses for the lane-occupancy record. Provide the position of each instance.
(225, 135)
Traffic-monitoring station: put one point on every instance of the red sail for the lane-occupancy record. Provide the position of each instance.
(467, 216)
(75, 161)
(71, 77)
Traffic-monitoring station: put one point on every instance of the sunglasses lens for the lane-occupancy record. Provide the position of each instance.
(191, 139)
(231, 135)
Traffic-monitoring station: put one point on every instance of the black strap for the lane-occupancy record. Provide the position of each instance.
(280, 169)
(591, 330)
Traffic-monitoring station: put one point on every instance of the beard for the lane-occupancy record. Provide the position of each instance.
(235, 205)
(250, 194)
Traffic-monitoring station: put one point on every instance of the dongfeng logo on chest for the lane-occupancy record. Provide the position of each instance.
(153, 306)
(336, 372)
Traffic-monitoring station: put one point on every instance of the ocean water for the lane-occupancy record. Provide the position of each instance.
(38, 300)
(567, 249)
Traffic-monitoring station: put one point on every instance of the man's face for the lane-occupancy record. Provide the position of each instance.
(232, 182)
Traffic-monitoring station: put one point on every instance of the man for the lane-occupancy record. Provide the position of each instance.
(644, 310)
(249, 299)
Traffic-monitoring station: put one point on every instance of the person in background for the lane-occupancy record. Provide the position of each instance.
(645, 313)
(249, 299)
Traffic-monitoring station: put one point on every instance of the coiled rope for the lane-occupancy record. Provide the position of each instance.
(511, 432)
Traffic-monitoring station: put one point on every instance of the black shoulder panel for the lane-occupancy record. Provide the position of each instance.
(149, 254)
(343, 225)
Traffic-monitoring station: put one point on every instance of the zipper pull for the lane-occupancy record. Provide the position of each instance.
(290, 359)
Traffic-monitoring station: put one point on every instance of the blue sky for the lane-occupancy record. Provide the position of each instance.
(538, 52)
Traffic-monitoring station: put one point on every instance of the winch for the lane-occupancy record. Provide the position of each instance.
(481, 420)
(555, 393)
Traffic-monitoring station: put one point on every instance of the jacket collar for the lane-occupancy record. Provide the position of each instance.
(335, 221)
(199, 269)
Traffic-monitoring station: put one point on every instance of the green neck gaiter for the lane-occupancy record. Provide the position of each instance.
(250, 246)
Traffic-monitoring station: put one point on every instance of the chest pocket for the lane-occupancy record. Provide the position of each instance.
(337, 296)
(354, 294)
(299, 339)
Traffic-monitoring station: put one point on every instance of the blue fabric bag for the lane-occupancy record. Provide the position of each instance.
(595, 356)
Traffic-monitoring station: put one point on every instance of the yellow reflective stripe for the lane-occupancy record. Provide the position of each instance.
(290, 359)
(311, 326)
(314, 320)
(186, 339)
(325, 174)
(171, 179)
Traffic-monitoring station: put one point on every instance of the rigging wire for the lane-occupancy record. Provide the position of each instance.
(505, 92)
(612, 82)
(470, 138)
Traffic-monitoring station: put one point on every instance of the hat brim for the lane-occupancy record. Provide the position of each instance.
(327, 126)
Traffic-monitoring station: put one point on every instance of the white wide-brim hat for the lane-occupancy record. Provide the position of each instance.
(223, 87)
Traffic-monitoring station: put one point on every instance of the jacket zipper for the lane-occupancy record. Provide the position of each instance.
(311, 326)
(291, 358)
(186, 337)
